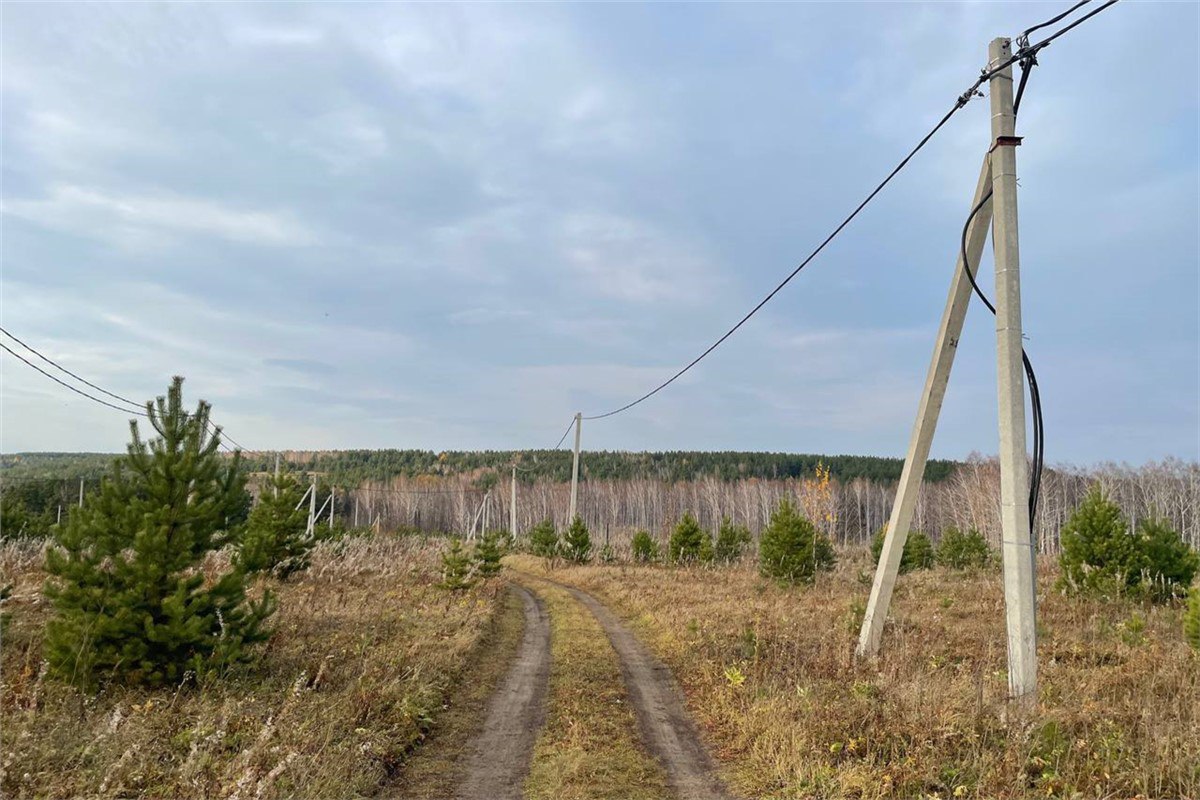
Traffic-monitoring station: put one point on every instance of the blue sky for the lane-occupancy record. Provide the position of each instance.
(452, 226)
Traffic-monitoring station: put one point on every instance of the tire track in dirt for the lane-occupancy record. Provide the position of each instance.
(498, 757)
(666, 726)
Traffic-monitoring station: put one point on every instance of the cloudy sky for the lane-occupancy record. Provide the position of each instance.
(452, 226)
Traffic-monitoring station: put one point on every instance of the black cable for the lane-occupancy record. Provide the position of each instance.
(1028, 52)
(138, 408)
(563, 438)
(56, 365)
(962, 101)
(77, 391)
(1023, 39)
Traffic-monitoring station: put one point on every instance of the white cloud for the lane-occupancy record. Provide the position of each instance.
(154, 221)
(630, 260)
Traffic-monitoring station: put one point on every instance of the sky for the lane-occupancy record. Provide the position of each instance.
(451, 226)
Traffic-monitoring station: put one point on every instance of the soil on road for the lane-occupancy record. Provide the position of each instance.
(498, 757)
(667, 728)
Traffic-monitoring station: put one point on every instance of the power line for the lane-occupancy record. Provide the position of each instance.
(1027, 52)
(563, 438)
(81, 379)
(77, 391)
(137, 408)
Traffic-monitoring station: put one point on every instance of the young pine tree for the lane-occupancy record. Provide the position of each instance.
(918, 550)
(792, 550)
(1099, 551)
(1168, 564)
(130, 599)
(456, 568)
(959, 550)
(731, 541)
(687, 543)
(1191, 618)
(488, 552)
(577, 542)
(645, 549)
(543, 539)
(274, 540)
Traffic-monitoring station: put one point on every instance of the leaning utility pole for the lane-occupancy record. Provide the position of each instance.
(575, 470)
(999, 173)
(312, 509)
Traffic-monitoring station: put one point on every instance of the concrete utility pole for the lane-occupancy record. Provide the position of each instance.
(81, 492)
(312, 508)
(332, 503)
(355, 512)
(277, 474)
(512, 506)
(1020, 590)
(575, 470)
(999, 173)
(927, 417)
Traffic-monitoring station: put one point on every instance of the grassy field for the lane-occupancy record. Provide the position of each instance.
(770, 677)
(364, 652)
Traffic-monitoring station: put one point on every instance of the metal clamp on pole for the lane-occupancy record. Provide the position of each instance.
(1007, 141)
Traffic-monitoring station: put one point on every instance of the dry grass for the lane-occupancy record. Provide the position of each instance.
(589, 747)
(435, 770)
(364, 652)
(769, 674)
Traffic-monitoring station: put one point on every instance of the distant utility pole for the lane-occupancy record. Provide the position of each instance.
(575, 470)
(312, 508)
(81, 492)
(512, 505)
(277, 474)
(999, 173)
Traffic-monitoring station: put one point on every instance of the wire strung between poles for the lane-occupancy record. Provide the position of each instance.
(135, 407)
(1027, 52)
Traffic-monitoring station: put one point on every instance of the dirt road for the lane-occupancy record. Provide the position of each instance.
(666, 727)
(498, 758)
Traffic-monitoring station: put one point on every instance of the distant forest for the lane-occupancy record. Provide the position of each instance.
(351, 467)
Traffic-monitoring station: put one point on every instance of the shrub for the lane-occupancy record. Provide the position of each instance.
(274, 540)
(1099, 552)
(608, 555)
(577, 542)
(645, 549)
(792, 550)
(960, 550)
(543, 539)
(918, 550)
(488, 552)
(731, 541)
(130, 597)
(456, 568)
(687, 541)
(1191, 619)
(1168, 564)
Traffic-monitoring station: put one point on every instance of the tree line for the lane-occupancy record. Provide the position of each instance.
(348, 468)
